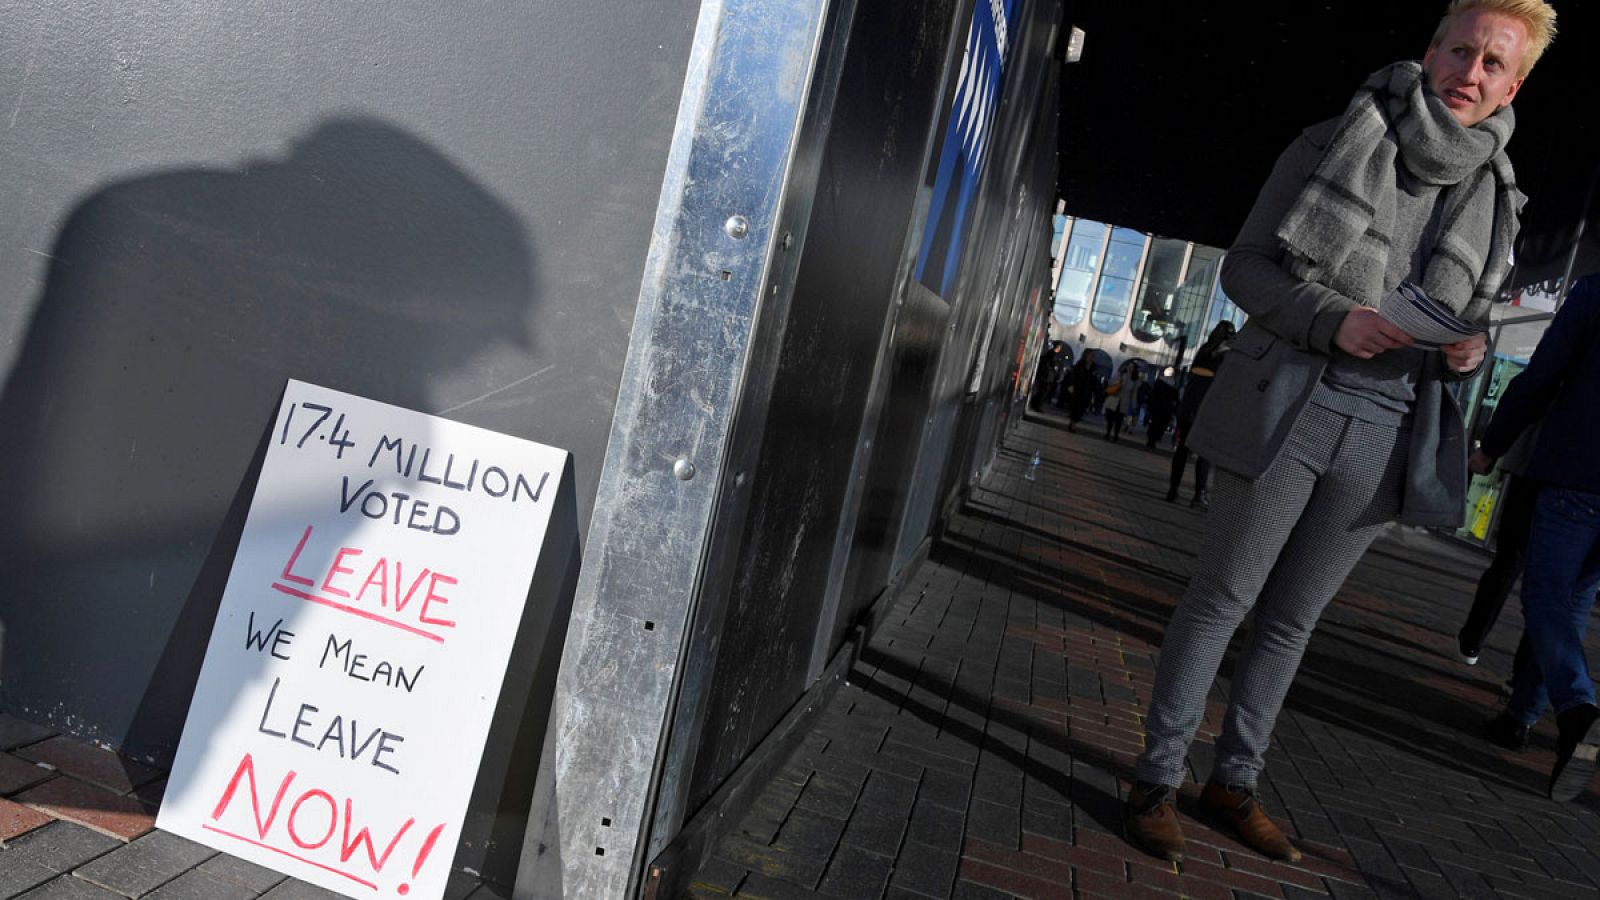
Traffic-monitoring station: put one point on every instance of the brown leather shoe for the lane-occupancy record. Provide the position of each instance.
(1240, 810)
(1150, 821)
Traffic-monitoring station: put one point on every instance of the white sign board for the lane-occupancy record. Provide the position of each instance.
(361, 644)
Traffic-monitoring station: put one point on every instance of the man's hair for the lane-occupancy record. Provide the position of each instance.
(1535, 15)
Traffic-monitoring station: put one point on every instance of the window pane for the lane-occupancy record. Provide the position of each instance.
(1078, 271)
(1116, 281)
(1158, 291)
(1193, 296)
(1222, 308)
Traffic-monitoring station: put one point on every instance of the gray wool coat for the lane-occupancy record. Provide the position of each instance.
(1278, 358)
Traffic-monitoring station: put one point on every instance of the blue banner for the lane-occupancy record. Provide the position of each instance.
(964, 148)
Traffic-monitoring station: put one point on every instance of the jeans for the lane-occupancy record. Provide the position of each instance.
(1558, 590)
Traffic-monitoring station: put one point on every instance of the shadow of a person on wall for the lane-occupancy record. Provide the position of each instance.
(177, 305)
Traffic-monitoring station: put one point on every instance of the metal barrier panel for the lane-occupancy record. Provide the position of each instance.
(715, 269)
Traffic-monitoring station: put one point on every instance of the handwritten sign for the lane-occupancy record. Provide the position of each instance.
(361, 643)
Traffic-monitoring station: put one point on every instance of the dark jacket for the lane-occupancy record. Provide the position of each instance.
(1562, 385)
(1277, 360)
(1207, 358)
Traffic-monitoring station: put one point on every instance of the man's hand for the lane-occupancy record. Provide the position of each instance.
(1364, 334)
(1480, 463)
(1464, 356)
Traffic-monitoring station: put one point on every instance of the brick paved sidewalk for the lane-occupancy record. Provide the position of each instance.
(986, 737)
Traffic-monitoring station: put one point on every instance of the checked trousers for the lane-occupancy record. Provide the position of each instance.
(1281, 544)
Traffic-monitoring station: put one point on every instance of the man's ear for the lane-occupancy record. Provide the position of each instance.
(1512, 92)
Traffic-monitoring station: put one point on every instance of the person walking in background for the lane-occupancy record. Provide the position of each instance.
(1163, 403)
(1326, 424)
(1141, 404)
(1561, 389)
(1516, 496)
(1201, 372)
(1119, 397)
(1042, 380)
(1082, 385)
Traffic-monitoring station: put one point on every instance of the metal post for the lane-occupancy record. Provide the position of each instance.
(717, 227)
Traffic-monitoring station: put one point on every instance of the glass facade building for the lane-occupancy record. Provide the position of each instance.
(1143, 296)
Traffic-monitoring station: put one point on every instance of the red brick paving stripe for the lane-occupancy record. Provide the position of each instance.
(1219, 842)
(1266, 868)
(1188, 887)
(1087, 881)
(1130, 714)
(1105, 843)
(1201, 853)
(1107, 741)
(1323, 860)
(1157, 874)
(1035, 635)
(1033, 711)
(1235, 878)
(16, 819)
(1328, 853)
(1111, 863)
(92, 807)
(1027, 863)
(1011, 882)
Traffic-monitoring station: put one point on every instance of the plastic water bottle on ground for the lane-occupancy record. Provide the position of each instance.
(1033, 466)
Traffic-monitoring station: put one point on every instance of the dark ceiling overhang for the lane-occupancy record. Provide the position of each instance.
(1175, 114)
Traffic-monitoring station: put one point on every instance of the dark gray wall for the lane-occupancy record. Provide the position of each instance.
(441, 206)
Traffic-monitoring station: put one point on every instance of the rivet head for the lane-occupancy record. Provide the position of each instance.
(683, 469)
(736, 227)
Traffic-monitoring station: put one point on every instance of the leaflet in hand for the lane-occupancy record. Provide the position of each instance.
(1430, 324)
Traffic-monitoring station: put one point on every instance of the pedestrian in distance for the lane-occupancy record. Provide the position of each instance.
(1515, 500)
(1561, 390)
(1327, 423)
(1119, 398)
(1141, 404)
(1041, 378)
(1201, 373)
(1082, 384)
(1163, 404)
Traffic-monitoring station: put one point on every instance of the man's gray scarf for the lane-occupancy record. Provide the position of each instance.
(1337, 232)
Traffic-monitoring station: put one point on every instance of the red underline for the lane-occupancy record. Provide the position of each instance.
(240, 837)
(314, 598)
